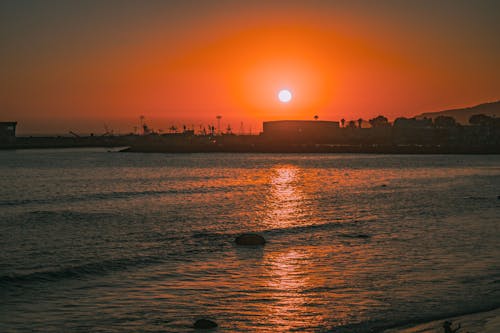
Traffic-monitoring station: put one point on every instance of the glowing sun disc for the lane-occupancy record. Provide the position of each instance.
(285, 96)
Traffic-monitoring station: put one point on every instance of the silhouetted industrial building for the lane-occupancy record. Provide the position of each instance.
(301, 130)
(8, 132)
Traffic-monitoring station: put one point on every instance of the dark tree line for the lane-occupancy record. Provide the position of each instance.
(438, 122)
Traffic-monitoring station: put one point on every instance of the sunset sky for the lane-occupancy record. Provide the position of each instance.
(77, 65)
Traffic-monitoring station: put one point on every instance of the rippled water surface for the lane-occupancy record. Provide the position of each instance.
(92, 240)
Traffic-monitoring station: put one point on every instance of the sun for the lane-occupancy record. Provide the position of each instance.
(284, 95)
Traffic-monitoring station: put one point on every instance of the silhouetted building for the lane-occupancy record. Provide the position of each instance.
(8, 132)
(301, 130)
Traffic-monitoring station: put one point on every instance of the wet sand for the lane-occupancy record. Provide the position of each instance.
(483, 322)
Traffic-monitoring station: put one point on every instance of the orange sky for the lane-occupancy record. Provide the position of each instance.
(75, 66)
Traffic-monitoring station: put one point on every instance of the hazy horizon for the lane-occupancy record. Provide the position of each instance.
(128, 125)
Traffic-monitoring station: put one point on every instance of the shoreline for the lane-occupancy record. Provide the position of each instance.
(478, 322)
(337, 150)
(251, 144)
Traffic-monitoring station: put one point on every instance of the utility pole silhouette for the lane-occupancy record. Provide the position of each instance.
(218, 123)
(141, 118)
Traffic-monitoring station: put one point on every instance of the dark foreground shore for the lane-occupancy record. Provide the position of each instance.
(482, 322)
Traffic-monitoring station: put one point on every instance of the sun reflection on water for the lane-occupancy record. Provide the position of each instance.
(287, 272)
(306, 293)
(285, 204)
(286, 282)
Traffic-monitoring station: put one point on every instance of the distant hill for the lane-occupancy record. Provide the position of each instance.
(463, 115)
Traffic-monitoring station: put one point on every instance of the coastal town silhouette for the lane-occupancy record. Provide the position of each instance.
(431, 133)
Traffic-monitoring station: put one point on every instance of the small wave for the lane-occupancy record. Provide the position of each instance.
(111, 196)
(220, 238)
(90, 197)
(210, 241)
(76, 272)
(476, 198)
(317, 227)
(203, 235)
(482, 279)
(47, 215)
(361, 236)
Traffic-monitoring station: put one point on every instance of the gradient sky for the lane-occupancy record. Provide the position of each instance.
(77, 65)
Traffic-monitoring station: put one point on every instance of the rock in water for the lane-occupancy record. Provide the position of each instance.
(250, 240)
(204, 324)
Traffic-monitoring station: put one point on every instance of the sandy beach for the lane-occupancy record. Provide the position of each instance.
(483, 322)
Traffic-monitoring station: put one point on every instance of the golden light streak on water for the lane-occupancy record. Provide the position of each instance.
(285, 201)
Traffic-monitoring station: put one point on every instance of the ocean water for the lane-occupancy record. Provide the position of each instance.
(100, 241)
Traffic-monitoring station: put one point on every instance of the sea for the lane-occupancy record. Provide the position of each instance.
(96, 240)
